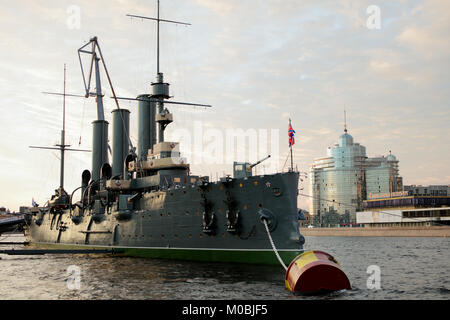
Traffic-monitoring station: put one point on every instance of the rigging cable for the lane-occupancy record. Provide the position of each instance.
(285, 161)
(82, 121)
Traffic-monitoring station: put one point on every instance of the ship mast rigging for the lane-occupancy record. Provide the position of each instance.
(61, 195)
(160, 89)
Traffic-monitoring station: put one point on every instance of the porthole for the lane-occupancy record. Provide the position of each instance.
(276, 192)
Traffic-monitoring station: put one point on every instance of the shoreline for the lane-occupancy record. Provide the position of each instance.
(433, 231)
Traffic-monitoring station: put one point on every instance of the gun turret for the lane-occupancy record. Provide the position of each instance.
(244, 169)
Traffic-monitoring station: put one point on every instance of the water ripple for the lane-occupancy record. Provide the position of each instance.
(411, 268)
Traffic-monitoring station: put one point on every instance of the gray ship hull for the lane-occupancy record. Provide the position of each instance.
(171, 223)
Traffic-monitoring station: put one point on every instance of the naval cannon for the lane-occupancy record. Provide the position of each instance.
(244, 169)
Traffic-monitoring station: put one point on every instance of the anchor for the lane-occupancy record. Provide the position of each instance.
(209, 218)
(232, 215)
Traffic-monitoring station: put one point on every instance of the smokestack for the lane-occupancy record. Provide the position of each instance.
(146, 126)
(99, 147)
(120, 141)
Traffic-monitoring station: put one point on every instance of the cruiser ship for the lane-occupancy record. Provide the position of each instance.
(147, 203)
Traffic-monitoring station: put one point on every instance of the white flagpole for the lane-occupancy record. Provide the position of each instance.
(290, 146)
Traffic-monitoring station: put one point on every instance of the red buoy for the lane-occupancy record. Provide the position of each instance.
(315, 271)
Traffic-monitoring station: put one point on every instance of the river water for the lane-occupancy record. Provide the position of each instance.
(378, 268)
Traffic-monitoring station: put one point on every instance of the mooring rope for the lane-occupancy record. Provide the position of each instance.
(273, 245)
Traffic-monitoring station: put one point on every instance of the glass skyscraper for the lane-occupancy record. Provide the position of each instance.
(346, 176)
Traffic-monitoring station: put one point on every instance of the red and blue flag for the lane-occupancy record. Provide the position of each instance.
(291, 134)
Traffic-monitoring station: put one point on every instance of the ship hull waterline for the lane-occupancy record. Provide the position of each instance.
(265, 257)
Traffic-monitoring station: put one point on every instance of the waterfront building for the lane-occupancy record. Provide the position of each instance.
(342, 180)
(405, 210)
(431, 190)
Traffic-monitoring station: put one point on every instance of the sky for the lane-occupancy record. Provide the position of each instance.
(258, 63)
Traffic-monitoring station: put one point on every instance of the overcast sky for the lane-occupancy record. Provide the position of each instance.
(258, 63)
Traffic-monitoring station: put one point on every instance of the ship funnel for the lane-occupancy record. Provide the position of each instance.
(146, 126)
(120, 140)
(100, 147)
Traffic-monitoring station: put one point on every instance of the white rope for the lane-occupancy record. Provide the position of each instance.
(273, 245)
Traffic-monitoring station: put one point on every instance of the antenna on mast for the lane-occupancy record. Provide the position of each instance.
(345, 122)
(158, 20)
(160, 89)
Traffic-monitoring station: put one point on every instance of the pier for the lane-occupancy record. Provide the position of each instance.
(433, 231)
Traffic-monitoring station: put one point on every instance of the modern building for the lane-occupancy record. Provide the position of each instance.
(342, 180)
(304, 218)
(404, 210)
(431, 190)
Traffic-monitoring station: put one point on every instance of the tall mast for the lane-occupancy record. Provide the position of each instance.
(63, 134)
(157, 41)
(160, 88)
(152, 114)
(63, 147)
(158, 20)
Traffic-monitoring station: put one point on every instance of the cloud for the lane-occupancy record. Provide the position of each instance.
(219, 7)
(428, 29)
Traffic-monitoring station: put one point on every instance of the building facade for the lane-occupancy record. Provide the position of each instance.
(431, 190)
(342, 180)
(405, 211)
